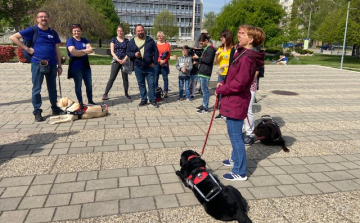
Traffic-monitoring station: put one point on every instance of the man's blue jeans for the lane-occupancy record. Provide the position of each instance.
(164, 70)
(37, 80)
(204, 84)
(148, 74)
(238, 155)
(79, 75)
(184, 82)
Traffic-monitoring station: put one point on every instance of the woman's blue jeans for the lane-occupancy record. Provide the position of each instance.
(204, 84)
(238, 154)
(164, 70)
(79, 75)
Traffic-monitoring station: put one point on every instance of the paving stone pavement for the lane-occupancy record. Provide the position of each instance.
(121, 168)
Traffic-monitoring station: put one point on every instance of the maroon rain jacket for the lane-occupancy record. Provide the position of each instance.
(235, 90)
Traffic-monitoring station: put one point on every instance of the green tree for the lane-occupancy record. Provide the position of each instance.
(107, 8)
(209, 18)
(18, 11)
(62, 16)
(262, 13)
(166, 22)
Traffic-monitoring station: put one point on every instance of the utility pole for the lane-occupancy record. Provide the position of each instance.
(347, 18)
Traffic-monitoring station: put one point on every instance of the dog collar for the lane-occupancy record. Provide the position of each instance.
(192, 156)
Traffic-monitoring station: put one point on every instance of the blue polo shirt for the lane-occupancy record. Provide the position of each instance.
(79, 45)
(44, 47)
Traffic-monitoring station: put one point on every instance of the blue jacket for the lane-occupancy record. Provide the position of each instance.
(150, 56)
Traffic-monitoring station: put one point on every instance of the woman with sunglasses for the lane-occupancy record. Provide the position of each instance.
(79, 66)
(235, 90)
(118, 51)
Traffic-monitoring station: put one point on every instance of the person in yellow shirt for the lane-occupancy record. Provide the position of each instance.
(222, 57)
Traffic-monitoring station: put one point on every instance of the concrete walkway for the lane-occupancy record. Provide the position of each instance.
(121, 168)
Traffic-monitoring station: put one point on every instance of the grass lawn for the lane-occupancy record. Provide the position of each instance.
(350, 63)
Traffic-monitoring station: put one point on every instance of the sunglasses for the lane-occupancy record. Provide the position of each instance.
(76, 25)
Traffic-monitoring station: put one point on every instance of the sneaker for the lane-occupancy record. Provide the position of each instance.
(92, 102)
(232, 177)
(189, 99)
(249, 140)
(228, 162)
(38, 117)
(219, 116)
(105, 97)
(192, 96)
(166, 95)
(203, 111)
(200, 107)
(60, 112)
(143, 103)
(180, 98)
(153, 103)
(126, 96)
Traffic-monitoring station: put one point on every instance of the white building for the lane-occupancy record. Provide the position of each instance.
(287, 5)
(187, 12)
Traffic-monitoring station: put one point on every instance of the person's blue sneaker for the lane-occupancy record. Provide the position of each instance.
(232, 177)
(228, 162)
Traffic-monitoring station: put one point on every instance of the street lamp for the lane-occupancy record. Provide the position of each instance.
(347, 18)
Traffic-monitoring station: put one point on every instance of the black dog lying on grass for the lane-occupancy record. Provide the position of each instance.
(268, 132)
(223, 203)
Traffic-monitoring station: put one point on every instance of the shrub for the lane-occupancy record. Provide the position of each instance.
(6, 53)
(20, 55)
(272, 50)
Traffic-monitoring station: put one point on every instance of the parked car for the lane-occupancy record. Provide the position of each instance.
(288, 45)
(326, 47)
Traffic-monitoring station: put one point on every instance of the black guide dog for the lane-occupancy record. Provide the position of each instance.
(268, 132)
(223, 203)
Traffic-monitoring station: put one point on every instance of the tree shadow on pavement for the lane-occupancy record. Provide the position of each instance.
(35, 143)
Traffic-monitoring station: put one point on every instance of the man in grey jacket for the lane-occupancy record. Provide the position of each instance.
(184, 66)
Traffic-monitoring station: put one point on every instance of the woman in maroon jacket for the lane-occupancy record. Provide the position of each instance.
(235, 91)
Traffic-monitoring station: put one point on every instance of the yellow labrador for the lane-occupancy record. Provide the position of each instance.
(73, 111)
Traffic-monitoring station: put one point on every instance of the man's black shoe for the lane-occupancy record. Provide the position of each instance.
(154, 103)
(38, 117)
(92, 103)
(58, 112)
(142, 103)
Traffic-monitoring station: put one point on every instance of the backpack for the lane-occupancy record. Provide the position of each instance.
(31, 43)
(158, 94)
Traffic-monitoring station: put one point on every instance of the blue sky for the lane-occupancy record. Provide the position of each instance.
(214, 5)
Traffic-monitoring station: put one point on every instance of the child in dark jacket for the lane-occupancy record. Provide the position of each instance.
(184, 66)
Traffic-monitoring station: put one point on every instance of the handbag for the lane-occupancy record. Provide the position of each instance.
(126, 67)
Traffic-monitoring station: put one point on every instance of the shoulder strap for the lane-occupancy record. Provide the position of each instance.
(35, 35)
(67, 49)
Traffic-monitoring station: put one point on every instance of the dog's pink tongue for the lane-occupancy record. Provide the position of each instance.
(260, 137)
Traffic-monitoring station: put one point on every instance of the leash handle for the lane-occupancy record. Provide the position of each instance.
(212, 119)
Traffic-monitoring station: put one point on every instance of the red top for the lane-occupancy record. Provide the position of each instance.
(162, 48)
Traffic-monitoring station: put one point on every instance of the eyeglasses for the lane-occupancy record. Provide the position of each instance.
(43, 17)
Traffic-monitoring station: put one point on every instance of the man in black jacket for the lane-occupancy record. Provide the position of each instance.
(206, 62)
(142, 50)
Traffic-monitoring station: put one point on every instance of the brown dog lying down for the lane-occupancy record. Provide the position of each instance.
(73, 111)
(268, 132)
(223, 203)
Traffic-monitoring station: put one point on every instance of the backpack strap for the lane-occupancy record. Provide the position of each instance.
(35, 35)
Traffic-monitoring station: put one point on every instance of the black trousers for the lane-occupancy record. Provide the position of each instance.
(115, 68)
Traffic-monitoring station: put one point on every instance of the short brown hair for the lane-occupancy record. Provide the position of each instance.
(256, 33)
(73, 26)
